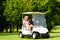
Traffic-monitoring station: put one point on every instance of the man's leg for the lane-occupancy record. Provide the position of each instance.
(30, 28)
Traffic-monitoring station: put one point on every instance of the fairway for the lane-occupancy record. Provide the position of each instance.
(54, 35)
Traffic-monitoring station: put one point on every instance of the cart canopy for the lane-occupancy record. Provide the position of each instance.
(33, 13)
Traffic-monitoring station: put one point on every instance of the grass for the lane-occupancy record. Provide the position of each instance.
(54, 35)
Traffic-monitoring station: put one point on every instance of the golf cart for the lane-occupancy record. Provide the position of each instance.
(39, 26)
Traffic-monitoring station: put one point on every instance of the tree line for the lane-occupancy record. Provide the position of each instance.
(11, 10)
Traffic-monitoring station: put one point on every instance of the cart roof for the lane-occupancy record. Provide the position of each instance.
(33, 13)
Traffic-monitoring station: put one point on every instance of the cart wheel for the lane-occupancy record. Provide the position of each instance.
(47, 36)
(35, 36)
(21, 35)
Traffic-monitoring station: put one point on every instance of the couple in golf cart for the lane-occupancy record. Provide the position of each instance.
(27, 24)
(34, 29)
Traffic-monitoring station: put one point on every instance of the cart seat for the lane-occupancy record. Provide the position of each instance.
(24, 27)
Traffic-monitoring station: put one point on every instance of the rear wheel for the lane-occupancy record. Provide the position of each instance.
(21, 35)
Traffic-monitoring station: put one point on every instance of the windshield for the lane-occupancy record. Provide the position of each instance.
(39, 20)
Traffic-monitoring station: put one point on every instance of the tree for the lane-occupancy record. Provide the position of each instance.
(13, 11)
(2, 18)
(14, 8)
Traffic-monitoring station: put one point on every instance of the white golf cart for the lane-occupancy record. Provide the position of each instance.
(39, 26)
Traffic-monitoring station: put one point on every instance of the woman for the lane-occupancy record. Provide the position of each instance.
(26, 23)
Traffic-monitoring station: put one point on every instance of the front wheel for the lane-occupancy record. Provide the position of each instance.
(35, 35)
(47, 36)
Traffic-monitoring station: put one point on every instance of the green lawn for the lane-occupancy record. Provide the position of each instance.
(54, 35)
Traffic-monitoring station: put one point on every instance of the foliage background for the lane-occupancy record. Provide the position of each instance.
(11, 10)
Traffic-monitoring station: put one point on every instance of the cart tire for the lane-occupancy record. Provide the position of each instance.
(21, 35)
(47, 36)
(35, 35)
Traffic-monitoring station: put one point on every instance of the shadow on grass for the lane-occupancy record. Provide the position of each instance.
(54, 36)
(54, 32)
(34, 39)
(7, 34)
